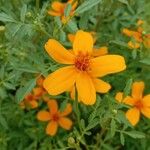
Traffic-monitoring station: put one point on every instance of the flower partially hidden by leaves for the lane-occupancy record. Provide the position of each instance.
(58, 9)
(31, 100)
(55, 117)
(137, 36)
(83, 69)
(138, 102)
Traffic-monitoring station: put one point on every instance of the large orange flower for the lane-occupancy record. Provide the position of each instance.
(137, 36)
(138, 102)
(55, 117)
(58, 9)
(82, 70)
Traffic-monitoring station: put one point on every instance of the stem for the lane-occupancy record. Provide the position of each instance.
(77, 108)
(37, 5)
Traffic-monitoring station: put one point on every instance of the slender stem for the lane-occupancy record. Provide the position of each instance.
(77, 108)
(37, 5)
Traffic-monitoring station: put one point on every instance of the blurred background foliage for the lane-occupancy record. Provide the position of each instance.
(25, 26)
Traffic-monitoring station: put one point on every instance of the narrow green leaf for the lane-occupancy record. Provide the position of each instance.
(67, 10)
(58, 21)
(92, 124)
(136, 134)
(86, 6)
(145, 61)
(63, 105)
(127, 88)
(122, 139)
(6, 18)
(72, 26)
(23, 13)
(23, 91)
(113, 127)
(3, 122)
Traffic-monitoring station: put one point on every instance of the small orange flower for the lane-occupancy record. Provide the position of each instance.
(83, 69)
(55, 117)
(32, 98)
(137, 36)
(138, 102)
(58, 9)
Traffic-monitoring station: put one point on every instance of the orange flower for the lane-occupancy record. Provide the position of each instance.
(32, 98)
(83, 69)
(58, 9)
(138, 102)
(137, 36)
(55, 117)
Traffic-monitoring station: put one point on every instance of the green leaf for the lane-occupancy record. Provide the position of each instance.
(127, 88)
(3, 122)
(92, 124)
(136, 134)
(122, 139)
(67, 10)
(6, 18)
(72, 26)
(58, 21)
(86, 6)
(145, 61)
(23, 13)
(113, 127)
(63, 105)
(23, 91)
(123, 1)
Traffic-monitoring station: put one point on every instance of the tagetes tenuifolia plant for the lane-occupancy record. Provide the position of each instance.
(138, 102)
(138, 36)
(55, 117)
(82, 68)
(31, 100)
(58, 9)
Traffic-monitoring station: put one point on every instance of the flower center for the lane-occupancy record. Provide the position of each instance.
(55, 117)
(139, 105)
(82, 62)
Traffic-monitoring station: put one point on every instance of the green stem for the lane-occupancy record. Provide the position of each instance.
(37, 5)
(77, 108)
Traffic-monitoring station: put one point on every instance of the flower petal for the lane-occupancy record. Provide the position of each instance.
(83, 43)
(146, 111)
(104, 65)
(51, 128)
(33, 104)
(146, 100)
(57, 6)
(86, 89)
(133, 45)
(53, 106)
(58, 52)
(53, 13)
(60, 80)
(71, 37)
(67, 110)
(129, 101)
(119, 97)
(133, 115)
(100, 52)
(43, 116)
(65, 123)
(101, 86)
(137, 89)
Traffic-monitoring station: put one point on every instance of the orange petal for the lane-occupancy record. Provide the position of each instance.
(137, 89)
(133, 45)
(53, 13)
(100, 52)
(71, 37)
(40, 81)
(65, 123)
(57, 6)
(146, 111)
(127, 32)
(104, 65)
(51, 128)
(129, 101)
(101, 86)
(38, 92)
(53, 106)
(140, 22)
(43, 116)
(146, 41)
(119, 97)
(146, 100)
(83, 43)
(133, 115)
(67, 110)
(86, 89)
(58, 52)
(60, 80)
(33, 104)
